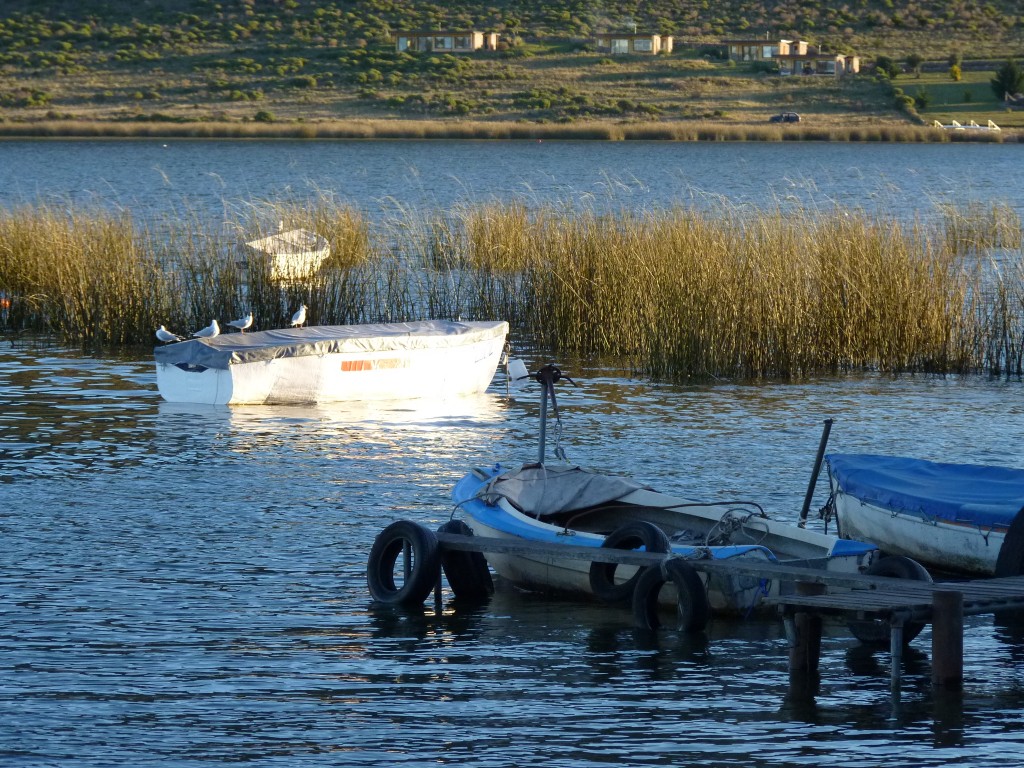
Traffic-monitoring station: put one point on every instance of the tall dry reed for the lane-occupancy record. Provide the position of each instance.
(678, 294)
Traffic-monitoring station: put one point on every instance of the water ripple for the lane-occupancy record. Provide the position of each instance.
(185, 585)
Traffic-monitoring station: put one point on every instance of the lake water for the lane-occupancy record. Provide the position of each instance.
(220, 179)
(185, 585)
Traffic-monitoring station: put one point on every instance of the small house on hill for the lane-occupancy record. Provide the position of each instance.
(814, 63)
(763, 49)
(446, 42)
(644, 43)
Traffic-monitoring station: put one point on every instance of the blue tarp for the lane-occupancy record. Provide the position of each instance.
(975, 493)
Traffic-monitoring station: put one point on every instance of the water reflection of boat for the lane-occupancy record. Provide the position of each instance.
(471, 409)
(954, 517)
(384, 361)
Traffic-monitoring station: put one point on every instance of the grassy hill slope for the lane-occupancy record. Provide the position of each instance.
(267, 61)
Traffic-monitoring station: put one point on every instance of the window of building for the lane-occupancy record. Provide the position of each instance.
(462, 42)
(643, 46)
(442, 43)
(403, 43)
(620, 45)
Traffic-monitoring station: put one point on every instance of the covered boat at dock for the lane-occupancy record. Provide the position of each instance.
(963, 518)
(330, 363)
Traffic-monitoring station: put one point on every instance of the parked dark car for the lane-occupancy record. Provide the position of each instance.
(785, 117)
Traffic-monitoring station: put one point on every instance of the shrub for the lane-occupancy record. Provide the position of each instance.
(1009, 80)
(887, 66)
(264, 116)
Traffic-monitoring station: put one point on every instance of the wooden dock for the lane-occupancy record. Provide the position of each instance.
(817, 593)
(897, 602)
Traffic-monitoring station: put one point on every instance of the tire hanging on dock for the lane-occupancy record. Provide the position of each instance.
(422, 566)
(633, 535)
(692, 608)
(466, 572)
(876, 631)
(1011, 554)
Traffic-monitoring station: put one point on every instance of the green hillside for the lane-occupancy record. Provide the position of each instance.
(274, 61)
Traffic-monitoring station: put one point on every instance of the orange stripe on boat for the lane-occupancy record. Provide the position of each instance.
(372, 365)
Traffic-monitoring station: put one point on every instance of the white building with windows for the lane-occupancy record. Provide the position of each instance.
(642, 43)
(446, 42)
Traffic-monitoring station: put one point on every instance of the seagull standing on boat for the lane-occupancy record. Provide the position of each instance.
(166, 336)
(242, 323)
(299, 317)
(208, 332)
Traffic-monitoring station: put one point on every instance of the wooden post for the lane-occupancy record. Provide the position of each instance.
(437, 594)
(805, 651)
(948, 640)
(895, 652)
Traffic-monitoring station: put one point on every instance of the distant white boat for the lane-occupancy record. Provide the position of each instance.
(291, 255)
(330, 363)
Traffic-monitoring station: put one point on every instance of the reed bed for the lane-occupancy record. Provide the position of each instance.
(675, 294)
(607, 130)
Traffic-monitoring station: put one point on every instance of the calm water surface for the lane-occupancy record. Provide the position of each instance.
(185, 585)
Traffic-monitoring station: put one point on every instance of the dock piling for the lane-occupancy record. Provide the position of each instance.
(948, 639)
(805, 648)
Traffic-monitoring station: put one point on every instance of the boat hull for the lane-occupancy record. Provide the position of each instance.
(947, 546)
(396, 372)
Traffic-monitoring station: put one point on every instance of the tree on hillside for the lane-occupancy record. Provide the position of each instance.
(914, 61)
(1008, 80)
(887, 66)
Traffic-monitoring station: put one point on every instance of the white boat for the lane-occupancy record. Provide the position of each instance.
(288, 255)
(329, 363)
(953, 517)
(561, 504)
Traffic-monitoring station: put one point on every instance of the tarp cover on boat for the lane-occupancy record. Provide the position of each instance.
(985, 495)
(234, 348)
(545, 490)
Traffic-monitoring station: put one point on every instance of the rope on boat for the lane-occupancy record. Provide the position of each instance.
(734, 521)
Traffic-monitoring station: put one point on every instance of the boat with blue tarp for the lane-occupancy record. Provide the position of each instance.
(954, 517)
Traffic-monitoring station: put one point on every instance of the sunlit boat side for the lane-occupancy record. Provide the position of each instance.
(330, 363)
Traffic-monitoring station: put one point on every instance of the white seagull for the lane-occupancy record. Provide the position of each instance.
(208, 332)
(166, 336)
(299, 317)
(242, 323)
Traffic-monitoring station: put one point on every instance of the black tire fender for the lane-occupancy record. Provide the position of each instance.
(1011, 554)
(424, 564)
(692, 608)
(875, 631)
(466, 572)
(632, 535)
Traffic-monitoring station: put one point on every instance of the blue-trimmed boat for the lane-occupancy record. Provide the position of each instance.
(568, 505)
